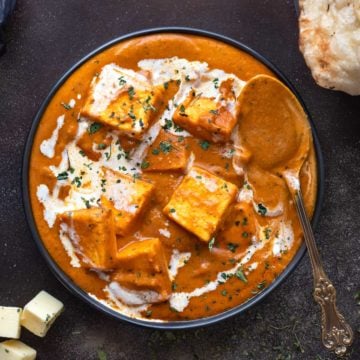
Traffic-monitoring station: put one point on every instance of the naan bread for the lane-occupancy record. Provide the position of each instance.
(330, 42)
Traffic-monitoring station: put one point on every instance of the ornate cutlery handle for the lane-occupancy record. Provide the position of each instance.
(337, 334)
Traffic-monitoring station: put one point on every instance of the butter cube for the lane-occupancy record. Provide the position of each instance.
(201, 202)
(16, 350)
(40, 313)
(10, 322)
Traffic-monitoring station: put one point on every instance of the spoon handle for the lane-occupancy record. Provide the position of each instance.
(337, 334)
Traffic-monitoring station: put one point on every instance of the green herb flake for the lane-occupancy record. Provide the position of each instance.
(214, 112)
(122, 81)
(165, 147)
(94, 127)
(224, 292)
(172, 210)
(216, 83)
(262, 210)
(101, 146)
(232, 247)
(145, 164)
(267, 232)
(63, 175)
(182, 110)
(155, 151)
(131, 92)
(241, 276)
(204, 144)
(166, 85)
(86, 202)
(245, 234)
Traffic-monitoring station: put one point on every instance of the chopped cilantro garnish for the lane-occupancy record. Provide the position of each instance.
(131, 92)
(232, 247)
(168, 124)
(241, 276)
(155, 151)
(262, 209)
(172, 210)
(77, 181)
(182, 110)
(245, 234)
(267, 232)
(62, 176)
(204, 144)
(145, 164)
(122, 81)
(94, 127)
(86, 202)
(215, 112)
(165, 147)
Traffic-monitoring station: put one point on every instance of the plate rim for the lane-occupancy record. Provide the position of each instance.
(67, 281)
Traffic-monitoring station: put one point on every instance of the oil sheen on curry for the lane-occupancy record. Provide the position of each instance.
(140, 183)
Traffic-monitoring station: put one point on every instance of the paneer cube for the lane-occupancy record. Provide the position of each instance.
(123, 100)
(92, 234)
(200, 203)
(40, 313)
(126, 197)
(142, 265)
(167, 153)
(10, 322)
(205, 118)
(16, 350)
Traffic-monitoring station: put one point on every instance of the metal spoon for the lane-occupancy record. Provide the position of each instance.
(258, 95)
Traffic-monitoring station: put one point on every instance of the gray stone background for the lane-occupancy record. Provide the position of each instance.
(45, 37)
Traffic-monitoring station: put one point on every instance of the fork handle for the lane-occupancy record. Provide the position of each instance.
(337, 334)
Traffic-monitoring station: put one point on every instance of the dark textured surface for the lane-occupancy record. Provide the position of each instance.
(45, 37)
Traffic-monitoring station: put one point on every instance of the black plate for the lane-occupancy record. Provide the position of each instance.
(70, 285)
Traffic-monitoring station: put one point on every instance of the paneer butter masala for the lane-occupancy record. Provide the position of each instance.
(139, 180)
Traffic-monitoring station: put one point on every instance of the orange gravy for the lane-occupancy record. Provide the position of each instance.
(231, 241)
